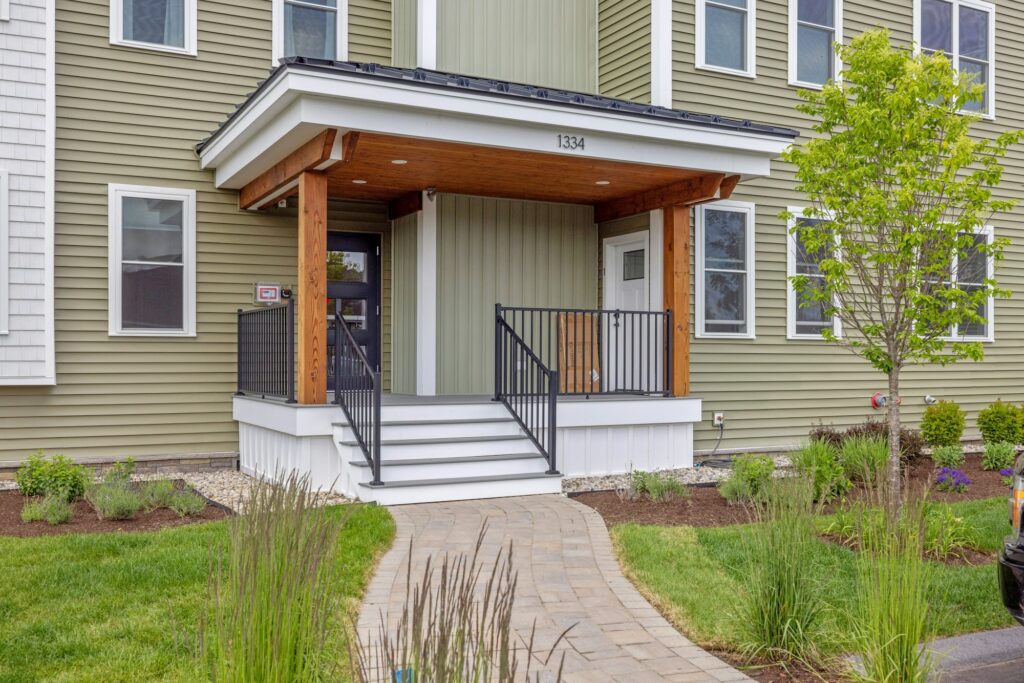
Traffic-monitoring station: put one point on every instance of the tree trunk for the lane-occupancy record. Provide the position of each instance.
(893, 416)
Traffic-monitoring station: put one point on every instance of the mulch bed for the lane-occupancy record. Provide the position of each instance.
(705, 507)
(84, 519)
(793, 672)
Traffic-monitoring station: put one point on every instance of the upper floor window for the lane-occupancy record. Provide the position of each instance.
(965, 31)
(311, 28)
(815, 26)
(806, 318)
(726, 36)
(168, 25)
(151, 241)
(725, 270)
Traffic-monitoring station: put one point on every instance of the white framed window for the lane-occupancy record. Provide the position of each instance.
(815, 26)
(725, 270)
(152, 257)
(969, 274)
(310, 28)
(804, 321)
(726, 36)
(965, 30)
(165, 25)
(5, 252)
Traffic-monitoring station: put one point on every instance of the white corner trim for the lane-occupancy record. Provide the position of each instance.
(657, 251)
(794, 44)
(426, 298)
(5, 252)
(426, 34)
(115, 193)
(49, 212)
(277, 30)
(700, 42)
(748, 209)
(5, 10)
(661, 53)
(190, 48)
(791, 297)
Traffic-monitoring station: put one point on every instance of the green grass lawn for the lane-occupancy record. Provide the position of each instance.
(694, 575)
(125, 607)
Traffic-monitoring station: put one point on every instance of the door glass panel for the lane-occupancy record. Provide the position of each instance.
(633, 263)
(347, 266)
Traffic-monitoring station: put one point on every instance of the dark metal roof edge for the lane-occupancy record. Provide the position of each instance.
(507, 90)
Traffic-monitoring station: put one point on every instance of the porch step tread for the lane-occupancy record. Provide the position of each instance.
(443, 421)
(443, 440)
(451, 460)
(460, 480)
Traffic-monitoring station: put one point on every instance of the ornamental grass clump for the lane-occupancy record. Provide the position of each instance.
(53, 509)
(453, 628)
(659, 487)
(998, 456)
(864, 458)
(270, 590)
(750, 476)
(780, 609)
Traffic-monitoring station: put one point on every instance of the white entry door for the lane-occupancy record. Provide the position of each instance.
(627, 263)
(631, 353)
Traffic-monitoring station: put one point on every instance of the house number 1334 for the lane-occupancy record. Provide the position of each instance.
(570, 142)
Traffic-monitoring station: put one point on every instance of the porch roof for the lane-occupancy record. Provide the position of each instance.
(475, 136)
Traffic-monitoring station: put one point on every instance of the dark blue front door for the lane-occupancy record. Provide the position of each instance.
(353, 281)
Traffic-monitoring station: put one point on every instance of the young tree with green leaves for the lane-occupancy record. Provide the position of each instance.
(899, 190)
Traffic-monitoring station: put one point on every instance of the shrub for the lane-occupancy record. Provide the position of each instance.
(863, 458)
(998, 456)
(657, 486)
(187, 503)
(951, 480)
(826, 433)
(942, 424)
(113, 500)
(819, 462)
(948, 456)
(40, 477)
(911, 441)
(53, 509)
(1000, 422)
(157, 494)
(120, 472)
(750, 475)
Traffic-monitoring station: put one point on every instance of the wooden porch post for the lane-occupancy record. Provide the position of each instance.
(676, 279)
(312, 288)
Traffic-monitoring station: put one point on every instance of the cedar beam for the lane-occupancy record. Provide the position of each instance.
(724, 192)
(683, 193)
(676, 278)
(311, 296)
(316, 154)
(408, 203)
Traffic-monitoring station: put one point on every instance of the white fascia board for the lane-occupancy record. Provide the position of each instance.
(317, 100)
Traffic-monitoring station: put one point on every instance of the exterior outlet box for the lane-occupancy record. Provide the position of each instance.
(718, 419)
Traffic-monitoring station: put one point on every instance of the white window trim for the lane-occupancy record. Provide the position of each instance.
(740, 207)
(5, 252)
(990, 114)
(191, 24)
(794, 44)
(277, 40)
(990, 316)
(791, 297)
(5, 10)
(701, 28)
(114, 195)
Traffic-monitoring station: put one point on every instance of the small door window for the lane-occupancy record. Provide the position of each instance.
(347, 266)
(633, 265)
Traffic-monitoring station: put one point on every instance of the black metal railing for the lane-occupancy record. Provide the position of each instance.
(528, 388)
(266, 352)
(597, 351)
(357, 391)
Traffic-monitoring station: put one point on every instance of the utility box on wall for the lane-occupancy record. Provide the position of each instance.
(266, 294)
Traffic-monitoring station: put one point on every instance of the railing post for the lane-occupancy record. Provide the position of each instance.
(552, 421)
(669, 374)
(376, 430)
(238, 356)
(290, 352)
(497, 353)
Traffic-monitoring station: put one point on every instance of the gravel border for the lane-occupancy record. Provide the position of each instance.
(700, 475)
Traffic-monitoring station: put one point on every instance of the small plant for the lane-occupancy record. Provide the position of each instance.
(998, 456)
(1000, 422)
(948, 457)
(157, 494)
(1006, 476)
(41, 477)
(945, 534)
(951, 480)
(114, 501)
(911, 441)
(187, 503)
(826, 433)
(863, 458)
(942, 424)
(819, 462)
(54, 509)
(659, 487)
(120, 472)
(750, 475)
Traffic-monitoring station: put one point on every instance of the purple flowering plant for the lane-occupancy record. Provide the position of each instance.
(1007, 476)
(952, 480)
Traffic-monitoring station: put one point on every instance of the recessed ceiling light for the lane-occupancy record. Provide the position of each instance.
(359, 182)
(602, 182)
(399, 162)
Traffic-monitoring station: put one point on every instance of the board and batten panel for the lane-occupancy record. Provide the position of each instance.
(404, 306)
(773, 390)
(539, 42)
(403, 38)
(26, 325)
(369, 31)
(515, 253)
(624, 49)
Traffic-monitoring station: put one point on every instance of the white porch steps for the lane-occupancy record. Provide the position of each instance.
(447, 451)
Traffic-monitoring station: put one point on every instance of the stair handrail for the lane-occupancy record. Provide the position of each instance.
(358, 392)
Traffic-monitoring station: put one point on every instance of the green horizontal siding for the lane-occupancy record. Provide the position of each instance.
(369, 31)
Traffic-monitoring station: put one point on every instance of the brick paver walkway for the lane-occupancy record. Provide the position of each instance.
(568, 575)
